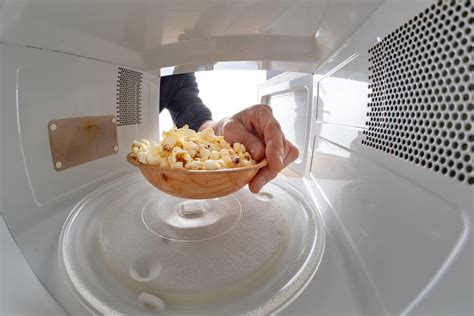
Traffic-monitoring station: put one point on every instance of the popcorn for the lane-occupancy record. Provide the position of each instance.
(146, 143)
(169, 141)
(185, 132)
(142, 157)
(239, 148)
(214, 164)
(215, 155)
(191, 148)
(227, 161)
(138, 147)
(183, 148)
(196, 165)
(207, 135)
(204, 154)
(224, 152)
(153, 159)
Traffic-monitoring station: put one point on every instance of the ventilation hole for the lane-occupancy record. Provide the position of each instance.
(420, 90)
(129, 85)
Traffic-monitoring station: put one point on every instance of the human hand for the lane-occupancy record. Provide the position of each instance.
(258, 130)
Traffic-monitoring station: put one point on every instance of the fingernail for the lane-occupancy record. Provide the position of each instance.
(280, 158)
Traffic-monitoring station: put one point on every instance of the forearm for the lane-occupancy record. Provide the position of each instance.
(185, 105)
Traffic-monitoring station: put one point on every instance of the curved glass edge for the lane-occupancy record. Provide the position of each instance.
(307, 272)
(62, 264)
(72, 286)
(272, 306)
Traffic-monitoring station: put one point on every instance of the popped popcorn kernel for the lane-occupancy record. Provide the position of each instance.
(215, 155)
(153, 159)
(196, 165)
(142, 157)
(184, 148)
(213, 164)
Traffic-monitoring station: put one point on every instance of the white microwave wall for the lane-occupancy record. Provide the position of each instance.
(399, 233)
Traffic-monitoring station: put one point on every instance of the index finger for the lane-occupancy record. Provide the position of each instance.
(260, 118)
(274, 147)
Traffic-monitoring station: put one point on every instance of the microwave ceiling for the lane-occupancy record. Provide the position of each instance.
(149, 34)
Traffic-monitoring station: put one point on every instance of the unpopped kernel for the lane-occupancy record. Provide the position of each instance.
(183, 148)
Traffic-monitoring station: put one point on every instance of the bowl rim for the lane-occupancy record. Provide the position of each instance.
(133, 161)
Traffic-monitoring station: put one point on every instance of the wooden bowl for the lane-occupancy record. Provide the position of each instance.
(197, 184)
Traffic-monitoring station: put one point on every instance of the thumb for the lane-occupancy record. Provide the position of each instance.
(234, 132)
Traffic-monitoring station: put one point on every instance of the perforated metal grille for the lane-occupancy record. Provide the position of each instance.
(129, 97)
(421, 91)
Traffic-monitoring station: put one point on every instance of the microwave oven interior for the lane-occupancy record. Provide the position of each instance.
(374, 216)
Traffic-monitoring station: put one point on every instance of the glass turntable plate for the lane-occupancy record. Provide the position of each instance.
(127, 248)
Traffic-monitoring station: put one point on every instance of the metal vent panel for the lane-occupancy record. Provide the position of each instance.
(421, 91)
(129, 97)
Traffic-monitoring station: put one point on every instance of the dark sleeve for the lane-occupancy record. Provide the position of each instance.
(180, 95)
